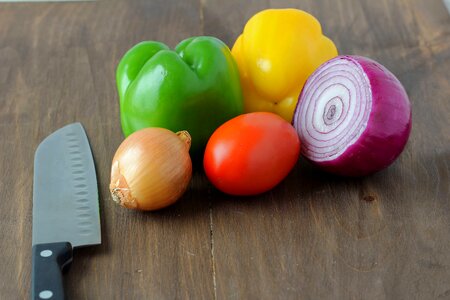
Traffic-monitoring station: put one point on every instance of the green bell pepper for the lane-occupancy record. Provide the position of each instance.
(194, 87)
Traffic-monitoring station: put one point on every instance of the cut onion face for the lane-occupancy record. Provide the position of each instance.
(353, 116)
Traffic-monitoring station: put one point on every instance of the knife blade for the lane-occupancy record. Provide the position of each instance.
(65, 207)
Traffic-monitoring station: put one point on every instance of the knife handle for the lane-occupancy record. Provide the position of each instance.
(49, 261)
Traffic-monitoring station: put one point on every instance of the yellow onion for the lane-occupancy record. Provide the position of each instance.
(151, 169)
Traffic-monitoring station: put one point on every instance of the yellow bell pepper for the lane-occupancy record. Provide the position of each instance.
(276, 53)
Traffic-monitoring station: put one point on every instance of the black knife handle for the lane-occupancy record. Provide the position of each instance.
(49, 261)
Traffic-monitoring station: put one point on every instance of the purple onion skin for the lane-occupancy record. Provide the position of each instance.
(388, 127)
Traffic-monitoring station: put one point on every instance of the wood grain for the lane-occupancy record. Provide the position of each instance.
(315, 236)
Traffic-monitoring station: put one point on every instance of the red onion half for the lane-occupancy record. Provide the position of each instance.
(353, 116)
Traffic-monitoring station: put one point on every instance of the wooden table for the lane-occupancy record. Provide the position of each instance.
(315, 236)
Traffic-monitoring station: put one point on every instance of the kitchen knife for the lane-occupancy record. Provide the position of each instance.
(65, 207)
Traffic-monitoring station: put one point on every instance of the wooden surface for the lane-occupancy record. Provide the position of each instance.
(313, 237)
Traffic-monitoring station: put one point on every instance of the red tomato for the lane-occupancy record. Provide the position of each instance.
(251, 153)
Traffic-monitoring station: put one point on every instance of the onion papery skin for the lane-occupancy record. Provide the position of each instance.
(379, 110)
